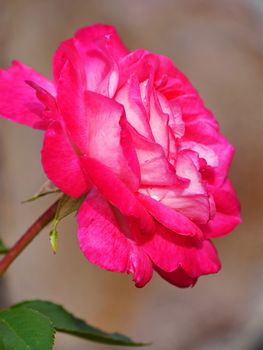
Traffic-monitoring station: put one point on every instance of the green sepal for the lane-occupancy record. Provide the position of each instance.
(47, 188)
(66, 206)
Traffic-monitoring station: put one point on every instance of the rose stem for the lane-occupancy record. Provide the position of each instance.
(28, 236)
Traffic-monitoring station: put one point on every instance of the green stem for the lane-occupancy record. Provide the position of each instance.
(28, 236)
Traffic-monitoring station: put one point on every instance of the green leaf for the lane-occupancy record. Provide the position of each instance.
(65, 322)
(25, 329)
(3, 249)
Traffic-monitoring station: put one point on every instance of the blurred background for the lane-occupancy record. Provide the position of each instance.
(219, 46)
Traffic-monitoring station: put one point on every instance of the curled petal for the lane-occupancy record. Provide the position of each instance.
(195, 207)
(225, 152)
(140, 266)
(171, 81)
(170, 218)
(140, 63)
(18, 100)
(203, 151)
(154, 166)
(101, 72)
(116, 192)
(177, 277)
(109, 140)
(67, 52)
(190, 198)
(169, 251)
(105, 245)
(103, 36)
(227, 215)
(130, 97)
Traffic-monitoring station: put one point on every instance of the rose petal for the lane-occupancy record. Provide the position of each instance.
(103, 36)
(203, 151)
(109, 140)
(154, 166)
(140, 63)
(177, 277)
(105, 245)
(227, 215)
(67, 52)
(170, 218)
(116, 192)
(100, 131)
(61, 164)
(168, 251)
(159, 123)
(18, 101)
(175, 116)
(130, 97)
(70, 99)
(225, 152)
(191, 200)
(101, 71)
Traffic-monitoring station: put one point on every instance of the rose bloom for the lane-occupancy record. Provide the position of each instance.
(129, 131)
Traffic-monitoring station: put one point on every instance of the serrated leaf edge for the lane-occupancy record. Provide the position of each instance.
(85, 334)
(36, 312)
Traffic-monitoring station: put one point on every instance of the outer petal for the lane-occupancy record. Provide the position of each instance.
(67, 51)
(177, 277)
(170, 218)
(192, 107)
(168, 251)
(61, 164)
(18, 101)
(101, 49)
(225, 152)
(116, 192)
(227, 212)
(193, 200)
(201, 132)
(101, 71)
(51, 111)
(70, 98)
(140, 266)
(105, 245)
(104, 36)
(171, 81)
(94, 66)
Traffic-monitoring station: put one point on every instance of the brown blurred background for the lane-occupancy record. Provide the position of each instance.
(219, 45)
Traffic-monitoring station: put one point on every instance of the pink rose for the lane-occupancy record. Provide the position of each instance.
(129, 130)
